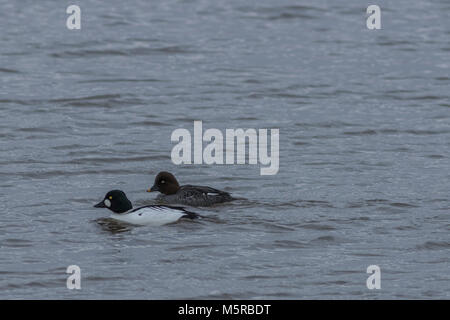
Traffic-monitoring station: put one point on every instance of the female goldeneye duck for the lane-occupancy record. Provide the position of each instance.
(154, 215)
(172, 192)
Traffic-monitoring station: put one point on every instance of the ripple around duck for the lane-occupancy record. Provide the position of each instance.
(324, 240)
(434, 245)
(380, 203)
(101, 160)
(403, 205)
(275, 13)
(297, 204)
(314, 226)
(280, 244)
(392, 131)
(120, 80)
(6, 70)
(135, 51)
(87, 98)
(17, 243)
(148, 123)
(48, 174)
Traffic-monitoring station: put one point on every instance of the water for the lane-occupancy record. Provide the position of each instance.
(364, 148)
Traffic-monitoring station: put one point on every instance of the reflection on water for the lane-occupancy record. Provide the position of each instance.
(113, 226)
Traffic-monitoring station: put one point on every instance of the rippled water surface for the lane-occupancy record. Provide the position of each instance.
(364, 125)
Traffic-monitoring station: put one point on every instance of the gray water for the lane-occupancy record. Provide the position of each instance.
(364, 125)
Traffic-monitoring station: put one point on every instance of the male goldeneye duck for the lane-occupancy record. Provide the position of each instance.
(172, 192)
(154, 215)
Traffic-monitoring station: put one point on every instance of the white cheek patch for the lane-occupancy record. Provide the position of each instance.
(107, 203)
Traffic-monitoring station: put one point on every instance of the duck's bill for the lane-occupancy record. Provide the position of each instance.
(101, 204)
(154, 188)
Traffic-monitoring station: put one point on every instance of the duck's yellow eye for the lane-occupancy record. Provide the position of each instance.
(110, 197)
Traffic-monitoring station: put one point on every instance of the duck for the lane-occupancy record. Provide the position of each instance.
(154, 215)
(195, 196)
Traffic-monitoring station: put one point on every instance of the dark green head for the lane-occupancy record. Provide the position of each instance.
(116, 201)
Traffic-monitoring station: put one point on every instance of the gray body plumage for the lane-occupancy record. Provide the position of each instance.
(196, 196)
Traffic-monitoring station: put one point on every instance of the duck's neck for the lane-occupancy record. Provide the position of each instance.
(172, 188)
(123, 207)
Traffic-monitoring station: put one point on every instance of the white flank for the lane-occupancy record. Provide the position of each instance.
(151, 216)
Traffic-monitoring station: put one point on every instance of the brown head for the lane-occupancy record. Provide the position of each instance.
(165, 183)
